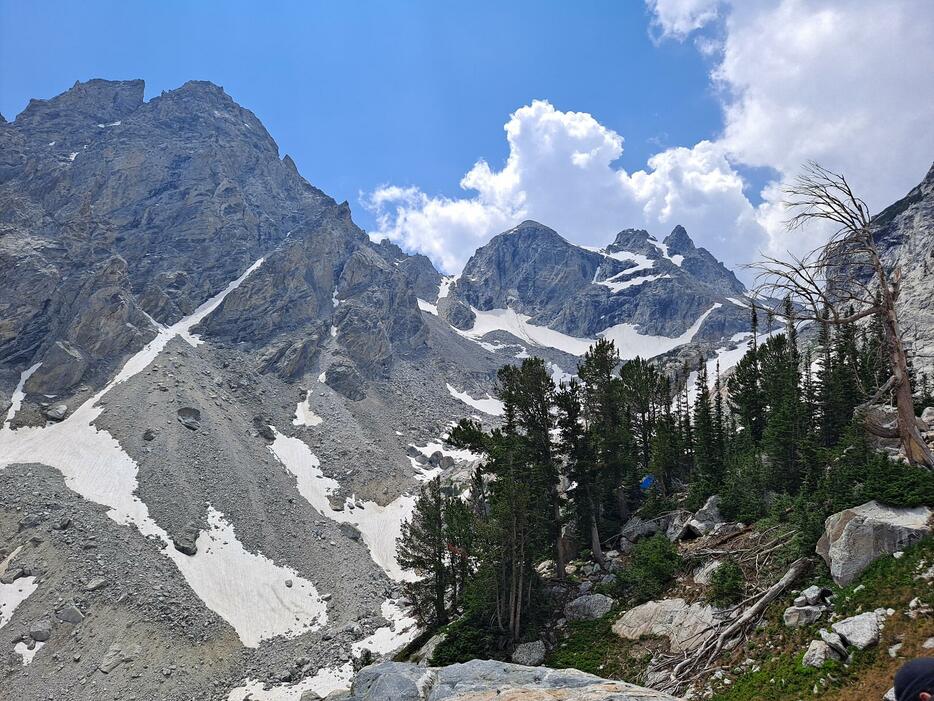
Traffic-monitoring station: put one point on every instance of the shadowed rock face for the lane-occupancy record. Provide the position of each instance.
(663, 288)
(117, 210)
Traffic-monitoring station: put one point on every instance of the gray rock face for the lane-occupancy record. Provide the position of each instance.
(41, 630)
(588, 607)
(56, 412)
(798, 616)
(860, 631)
(149, 208)
(661, 287)
(904, 233)
(854, 538)
(818, 653)
(686, 626)
(529, 654)
(399, 681)
(187, 540)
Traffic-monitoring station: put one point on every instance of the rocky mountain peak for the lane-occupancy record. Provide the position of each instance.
(97, 101)
(679, 242)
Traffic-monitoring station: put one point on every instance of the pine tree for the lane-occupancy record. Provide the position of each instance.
(422, 548)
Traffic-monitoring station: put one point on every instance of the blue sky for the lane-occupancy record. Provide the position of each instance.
(617, 113)
(366, 93)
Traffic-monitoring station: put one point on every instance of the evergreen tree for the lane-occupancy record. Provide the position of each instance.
(422, 548)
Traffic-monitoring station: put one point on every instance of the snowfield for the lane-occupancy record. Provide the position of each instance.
(246, 589)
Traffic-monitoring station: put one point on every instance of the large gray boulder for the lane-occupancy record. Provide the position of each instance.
(687, 626)
(705, 519)
(798, 616)
(529, 654)
(860, 631)
(819, 653)
(854, 538)
(588, 607)
(483, 679)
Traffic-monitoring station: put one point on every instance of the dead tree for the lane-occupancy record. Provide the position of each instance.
(844, 281)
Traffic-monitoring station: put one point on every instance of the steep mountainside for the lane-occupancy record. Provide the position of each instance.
(905, 233)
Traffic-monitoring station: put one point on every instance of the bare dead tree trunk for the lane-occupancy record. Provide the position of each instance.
(846, 273)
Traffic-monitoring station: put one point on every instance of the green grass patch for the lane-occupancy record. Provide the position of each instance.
(593, 647)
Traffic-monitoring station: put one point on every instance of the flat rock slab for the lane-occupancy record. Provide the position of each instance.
(488, 680)
(685, 625)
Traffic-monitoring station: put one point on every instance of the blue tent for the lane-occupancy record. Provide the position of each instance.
(647, 482)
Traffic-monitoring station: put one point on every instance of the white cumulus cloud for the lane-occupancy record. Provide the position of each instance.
(560, 172)
(848, 84)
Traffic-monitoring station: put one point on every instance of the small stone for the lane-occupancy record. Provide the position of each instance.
(70, 614)
(798, 616)
(288, 583)
(818, 653)
(529, 654)
(41, 630)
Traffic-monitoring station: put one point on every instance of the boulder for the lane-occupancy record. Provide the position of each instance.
(187, 540)
(423, 655)
(70, 614)
(686, 626)
(834, 640)
(588, 607)
(190, 418)
(860, 631)
(676, 525)
(41, 630)
(927, 416)
(815, 595)
(798, 616)
(637, 527)
(705, 519)
(854, 538)
(56, 412)
(818, 653)
(529, 654)
(344, 379)
(488, 679)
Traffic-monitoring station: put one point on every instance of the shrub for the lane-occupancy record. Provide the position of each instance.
(653, 564)
(726, 584)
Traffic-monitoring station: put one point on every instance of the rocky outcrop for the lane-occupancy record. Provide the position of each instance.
(854, 538)
(685, 625)
(481, 679)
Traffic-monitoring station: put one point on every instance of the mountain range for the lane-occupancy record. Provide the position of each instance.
(219, 393)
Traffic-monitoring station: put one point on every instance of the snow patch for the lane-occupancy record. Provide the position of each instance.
(737, 302)
(380, 526)
(630, 343)
(23, 651)
(490, 405)
(619, 285)
(251, 595)
(304, 416)
(428, 307)
(323, 683)
(13, 594)
(112, 124)
(16, 401)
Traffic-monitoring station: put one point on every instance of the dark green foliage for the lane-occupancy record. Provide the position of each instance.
(726, 584)
(652, 566)
(467, 638)
(422, 548)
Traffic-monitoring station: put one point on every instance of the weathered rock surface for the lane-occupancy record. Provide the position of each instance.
(588, 607)
(860, 631)
(529, 654)
(798, 616)
(487, 679)
(854, 538)
(685, 625)
(818, 654)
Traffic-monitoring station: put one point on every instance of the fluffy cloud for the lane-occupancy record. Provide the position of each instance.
(846, 84)
(560, 171)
